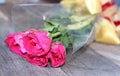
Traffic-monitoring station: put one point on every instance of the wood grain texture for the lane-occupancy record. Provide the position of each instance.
(90, 63)
(93, 60)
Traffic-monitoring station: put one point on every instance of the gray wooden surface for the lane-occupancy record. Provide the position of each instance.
(93, 60)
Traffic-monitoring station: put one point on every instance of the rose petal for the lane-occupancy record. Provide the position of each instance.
(32, 44)
(117, 22)
(107, 5)
(44, 41)
(10, 41)
(57, 56)
(37, 60)
(108, 19)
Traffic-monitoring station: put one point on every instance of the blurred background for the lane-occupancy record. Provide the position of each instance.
(118, 2)
(38, 1)
(6, 5)
(28, 1)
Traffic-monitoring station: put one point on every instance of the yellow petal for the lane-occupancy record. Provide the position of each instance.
(72, 1)
(79, 5)
(80, 1)
(105, 33)
(67, 4)
(94, 6)
(118, 30)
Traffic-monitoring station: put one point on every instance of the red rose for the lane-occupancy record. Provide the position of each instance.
(37, 60)
(36, 47)
(33, 45)
(33, 42)
(10, 41)
(57, 54)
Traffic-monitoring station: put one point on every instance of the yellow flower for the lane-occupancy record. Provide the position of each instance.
(92, 6)
(105, 32)
(118, 30)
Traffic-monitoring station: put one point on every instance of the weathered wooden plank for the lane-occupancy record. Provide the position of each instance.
(87, 62)
(109, 51)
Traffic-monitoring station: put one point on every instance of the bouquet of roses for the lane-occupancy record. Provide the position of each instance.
(37, 47)
(49, 44)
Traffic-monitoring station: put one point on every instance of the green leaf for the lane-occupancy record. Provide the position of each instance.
(53, 35)
(49, 29)
(57, 39)
(47, 24)
(61, 29)
(65, 41)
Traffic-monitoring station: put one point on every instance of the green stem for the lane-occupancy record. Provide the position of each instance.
(54, 35)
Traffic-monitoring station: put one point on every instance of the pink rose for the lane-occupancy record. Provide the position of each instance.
(57, 54)
(31, 42)
(10, 41)
(36, 47)
(37, 60)
(33, 45)
(34, 42)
